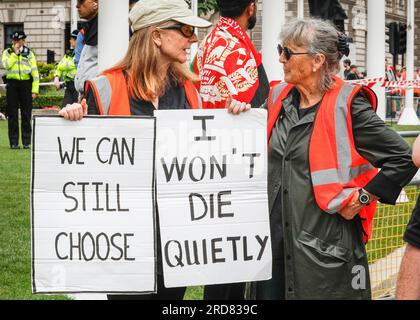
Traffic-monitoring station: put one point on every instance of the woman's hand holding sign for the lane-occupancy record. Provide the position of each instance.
(75, 111)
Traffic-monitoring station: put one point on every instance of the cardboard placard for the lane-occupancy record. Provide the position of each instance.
(212, 197)
(93, 205)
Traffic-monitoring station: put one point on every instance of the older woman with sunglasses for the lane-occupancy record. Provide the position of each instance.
(325, 143)
(151, 76)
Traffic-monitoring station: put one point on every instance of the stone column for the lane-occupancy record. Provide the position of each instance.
(301, 9)
(409, 117)
(113, 32)
(272, 21)
(376, 49)
(74, 15)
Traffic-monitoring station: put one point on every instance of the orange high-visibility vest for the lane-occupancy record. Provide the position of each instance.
(111, 93)
(337, 169)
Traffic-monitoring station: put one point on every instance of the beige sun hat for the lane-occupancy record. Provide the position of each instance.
(146, 13)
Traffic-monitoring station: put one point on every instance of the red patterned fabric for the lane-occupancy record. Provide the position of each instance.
(227, 62)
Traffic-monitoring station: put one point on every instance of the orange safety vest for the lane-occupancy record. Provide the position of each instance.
(111, 93)
(337, 169)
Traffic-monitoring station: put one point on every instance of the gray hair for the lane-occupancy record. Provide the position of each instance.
(318, 37)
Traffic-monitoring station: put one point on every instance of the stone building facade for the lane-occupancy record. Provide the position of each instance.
(46, 23)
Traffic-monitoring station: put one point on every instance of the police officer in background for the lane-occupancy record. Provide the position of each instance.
(22, 79)
(66, 71)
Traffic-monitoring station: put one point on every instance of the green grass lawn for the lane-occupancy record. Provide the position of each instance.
(15, 236)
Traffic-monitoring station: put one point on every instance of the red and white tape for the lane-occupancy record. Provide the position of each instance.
(400, 84)
(371, 82)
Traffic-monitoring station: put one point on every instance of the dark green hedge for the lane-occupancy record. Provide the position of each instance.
(47, 101)
(41, 101)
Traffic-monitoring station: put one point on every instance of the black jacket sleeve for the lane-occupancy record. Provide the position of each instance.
(93, 108)
(383, 148)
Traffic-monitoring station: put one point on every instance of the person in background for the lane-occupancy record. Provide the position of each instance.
(408, 281)
(389, 73)
(87, 9)
(66, 71)
(391, 93)
(22, 87)
(228, 63)
(87, 66)
(86, 12)
(152, 76)
(353, 73)
(404, 73)
(417, 90)
(79, 47)
(400, 75)
(346, 64)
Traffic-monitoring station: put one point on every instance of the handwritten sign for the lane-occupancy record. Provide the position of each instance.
(212, 197)
(93, 205)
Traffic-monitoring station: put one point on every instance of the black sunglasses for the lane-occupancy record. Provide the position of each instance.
(185, 29)
(288, 53)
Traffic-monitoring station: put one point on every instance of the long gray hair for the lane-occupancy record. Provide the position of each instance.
(318, 37)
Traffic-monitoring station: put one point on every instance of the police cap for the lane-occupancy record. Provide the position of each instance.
(74, 33)
(18, 35)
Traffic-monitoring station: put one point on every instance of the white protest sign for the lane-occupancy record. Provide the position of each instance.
(212, 196)
(93, 213)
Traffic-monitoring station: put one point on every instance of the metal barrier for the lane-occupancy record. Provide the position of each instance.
(386, 248)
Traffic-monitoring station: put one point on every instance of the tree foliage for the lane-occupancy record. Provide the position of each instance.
(205, 6)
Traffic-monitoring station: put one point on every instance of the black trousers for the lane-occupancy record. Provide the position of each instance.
(19, 94)
(273, 289)
(412, 233)
(70, 95)
(229, 291)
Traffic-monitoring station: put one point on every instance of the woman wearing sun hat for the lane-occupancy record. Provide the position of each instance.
(152, 75)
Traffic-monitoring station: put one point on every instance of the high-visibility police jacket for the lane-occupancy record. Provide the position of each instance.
(111, 94)
(66, 69)
(21, 66)
(338, 171)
